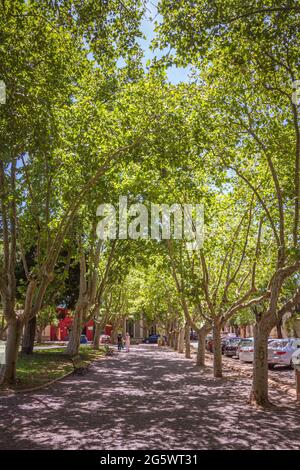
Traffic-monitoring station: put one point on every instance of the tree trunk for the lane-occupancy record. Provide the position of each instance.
(113, 335)
(39, 334)
(80, 309)
(115, 330)
(279, 329)
(176, 335)
(181, 341)
(29, 336)
(8, 372)
(172, 334)
(97, 336)
(201, 347)
(217, 350)
(74, 340)
(168, 328)
(237, 330)
(259, 392)
(187, 341)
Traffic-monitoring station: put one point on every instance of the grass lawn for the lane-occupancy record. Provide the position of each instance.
(46, 365)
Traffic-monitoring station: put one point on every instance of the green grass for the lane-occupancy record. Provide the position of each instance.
(44, 366)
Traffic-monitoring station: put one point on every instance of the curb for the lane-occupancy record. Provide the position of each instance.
(40, 387)
(10, 392)
(274, 383)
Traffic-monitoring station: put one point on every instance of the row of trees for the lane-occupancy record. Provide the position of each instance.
(83, 124)
(247, 60)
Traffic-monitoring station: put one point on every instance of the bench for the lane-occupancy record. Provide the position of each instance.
(79, 367)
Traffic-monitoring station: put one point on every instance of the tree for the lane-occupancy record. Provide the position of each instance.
(46, 316)
(41, 137)
(247, 62)
(220, 279)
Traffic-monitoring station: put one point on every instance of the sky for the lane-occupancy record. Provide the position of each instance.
(175, 74)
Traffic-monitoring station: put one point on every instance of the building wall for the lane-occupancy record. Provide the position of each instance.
(136, 329)
(46, 334)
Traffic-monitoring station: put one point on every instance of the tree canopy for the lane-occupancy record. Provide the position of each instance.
(85, 123)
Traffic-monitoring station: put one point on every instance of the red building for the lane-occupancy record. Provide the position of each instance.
(88, 330)
(61, 331)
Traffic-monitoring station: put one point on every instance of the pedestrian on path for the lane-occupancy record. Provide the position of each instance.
(127, 342)
(120, 341)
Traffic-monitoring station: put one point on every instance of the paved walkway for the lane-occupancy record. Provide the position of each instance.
(147, 399)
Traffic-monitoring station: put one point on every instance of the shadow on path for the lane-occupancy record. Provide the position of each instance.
(147, 399)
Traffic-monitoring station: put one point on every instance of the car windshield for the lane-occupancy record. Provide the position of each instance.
(245, 341)
(234, 342)
(278, 344)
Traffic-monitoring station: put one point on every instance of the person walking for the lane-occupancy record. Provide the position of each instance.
(127, 342)
(120, 341)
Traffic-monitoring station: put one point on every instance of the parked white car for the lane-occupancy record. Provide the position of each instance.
(280, 351)
(246, 350)
(243, 342)
(296, 358)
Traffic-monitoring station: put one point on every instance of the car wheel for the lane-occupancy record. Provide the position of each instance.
(271, 366)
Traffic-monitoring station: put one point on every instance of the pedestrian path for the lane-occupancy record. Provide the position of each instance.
(150, 398)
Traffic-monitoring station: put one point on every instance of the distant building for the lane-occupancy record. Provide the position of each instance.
(137, 329)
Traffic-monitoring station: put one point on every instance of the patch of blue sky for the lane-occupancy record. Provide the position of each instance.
(174, 74)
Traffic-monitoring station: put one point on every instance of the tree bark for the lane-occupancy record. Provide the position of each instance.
(172, 336)
(259, 391)
(279, 329)
(168, 328)
(97, 336)
(29, 336)
(201, 347)
(74, 340)
(217, 350)
(187, 341)
(176, 335)
(81, 306)
(8, 372)
(237, 330)
(115, 330)
(181, 341)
